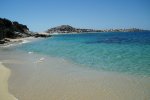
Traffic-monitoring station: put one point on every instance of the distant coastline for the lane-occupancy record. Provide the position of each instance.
(70, 29)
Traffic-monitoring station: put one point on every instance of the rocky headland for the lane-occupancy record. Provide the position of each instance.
(15, 30)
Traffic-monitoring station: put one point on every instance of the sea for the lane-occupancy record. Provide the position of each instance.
(121, 52)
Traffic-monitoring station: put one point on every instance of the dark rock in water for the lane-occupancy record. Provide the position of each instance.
(4, 41)
(41, 35)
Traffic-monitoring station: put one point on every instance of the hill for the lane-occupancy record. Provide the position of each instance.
(70, 29)
(9, 29)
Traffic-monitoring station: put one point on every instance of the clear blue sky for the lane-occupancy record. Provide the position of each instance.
(39, 15)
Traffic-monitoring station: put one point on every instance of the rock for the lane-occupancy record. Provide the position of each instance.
(4, 41)
(41, 35)
(9, 29)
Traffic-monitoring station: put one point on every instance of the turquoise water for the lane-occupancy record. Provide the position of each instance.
(118, 52)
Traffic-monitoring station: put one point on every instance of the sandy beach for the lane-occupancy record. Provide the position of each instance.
(75, 50)
(38, 77)
(4, 75)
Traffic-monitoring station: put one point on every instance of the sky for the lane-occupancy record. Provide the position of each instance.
(40, 15)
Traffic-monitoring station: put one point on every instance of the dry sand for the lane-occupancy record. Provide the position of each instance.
(4, 75)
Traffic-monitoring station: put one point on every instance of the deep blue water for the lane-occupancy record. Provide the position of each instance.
(120, 52)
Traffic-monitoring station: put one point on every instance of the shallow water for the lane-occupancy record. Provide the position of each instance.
(117, 52)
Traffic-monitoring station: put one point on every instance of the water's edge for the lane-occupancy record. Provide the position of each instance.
(28, 69)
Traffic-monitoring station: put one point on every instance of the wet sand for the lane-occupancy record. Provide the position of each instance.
(38, 77)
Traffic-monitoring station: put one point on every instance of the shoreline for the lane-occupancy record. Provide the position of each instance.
(4, 76)
(19, 41)
(56, 78)
(33, 75)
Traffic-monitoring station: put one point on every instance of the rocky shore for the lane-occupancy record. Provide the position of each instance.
(13, 30)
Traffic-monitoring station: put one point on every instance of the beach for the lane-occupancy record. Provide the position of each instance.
(39, 77)
(4, 75)
(75, 50)
(57, 68)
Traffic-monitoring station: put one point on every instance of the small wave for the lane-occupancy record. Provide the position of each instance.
(30, 52)
(25, 41)
(15, 43)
